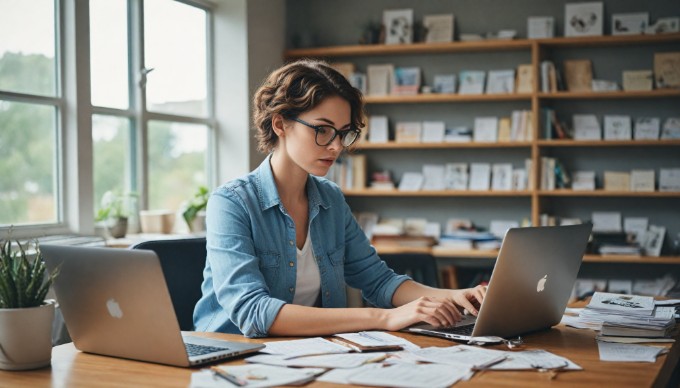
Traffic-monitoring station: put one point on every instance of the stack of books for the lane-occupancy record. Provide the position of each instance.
(469, 239)
(629, 315)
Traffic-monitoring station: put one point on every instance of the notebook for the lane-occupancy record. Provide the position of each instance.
(115, 302)
(529, 286)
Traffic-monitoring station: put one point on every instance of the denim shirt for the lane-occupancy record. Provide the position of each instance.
(250, 270)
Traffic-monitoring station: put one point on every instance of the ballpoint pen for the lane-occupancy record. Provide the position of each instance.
(228, 376)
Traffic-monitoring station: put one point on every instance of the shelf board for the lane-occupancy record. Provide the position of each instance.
(453, 145)
(613, 95)
(608, 40)
(414, 48)
(477, 46)
(608, 143)
(441, 98)
(396, 249)
(603, 193)
(434, 193)
(631, 259)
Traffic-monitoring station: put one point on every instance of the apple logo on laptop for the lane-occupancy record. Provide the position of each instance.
(541, 284)
(114, 308)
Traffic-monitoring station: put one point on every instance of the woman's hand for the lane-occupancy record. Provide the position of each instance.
(469, 299)
(438, 312)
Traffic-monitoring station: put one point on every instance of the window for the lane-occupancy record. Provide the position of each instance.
(173, 116)
(151, 107)
(30, 105)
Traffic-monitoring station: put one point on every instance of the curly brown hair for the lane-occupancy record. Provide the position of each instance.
(296, 88)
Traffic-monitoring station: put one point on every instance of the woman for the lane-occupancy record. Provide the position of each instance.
(282, 243)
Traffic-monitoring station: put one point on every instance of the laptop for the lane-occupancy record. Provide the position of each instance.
(115, 302)
(529, 286)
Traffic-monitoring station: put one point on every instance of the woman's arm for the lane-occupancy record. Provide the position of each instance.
(417, 303)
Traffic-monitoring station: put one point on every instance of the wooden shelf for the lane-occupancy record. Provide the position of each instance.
(442, 98)
(675, 260)
(414, 48)
(453, 145)
(603, 193)
(478, 46)
(614, 95)
(608, 143)
(437, 193)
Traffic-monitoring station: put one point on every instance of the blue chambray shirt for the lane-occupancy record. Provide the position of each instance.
(250, 270)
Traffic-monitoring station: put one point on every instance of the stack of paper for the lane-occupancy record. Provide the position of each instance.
(629, 315)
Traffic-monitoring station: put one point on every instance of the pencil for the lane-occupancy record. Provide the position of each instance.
(228, 376)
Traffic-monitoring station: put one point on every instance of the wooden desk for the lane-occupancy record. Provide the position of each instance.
(71, 368)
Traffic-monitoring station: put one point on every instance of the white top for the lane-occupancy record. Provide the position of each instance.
(308, 278)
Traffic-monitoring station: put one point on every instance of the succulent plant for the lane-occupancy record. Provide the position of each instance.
(22, 282)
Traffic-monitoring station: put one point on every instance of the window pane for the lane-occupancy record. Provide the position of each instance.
(27, 42)
(175, 47)
(111, 155)
(109, 53)
(27, 170)
(177, 163)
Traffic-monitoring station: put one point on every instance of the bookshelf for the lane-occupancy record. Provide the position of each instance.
(534, 201)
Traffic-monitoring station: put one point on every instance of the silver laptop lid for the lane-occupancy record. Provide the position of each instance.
(115, 302)
(532, 279)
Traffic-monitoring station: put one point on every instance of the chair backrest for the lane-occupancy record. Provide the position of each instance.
(420, 267)
(183, 261)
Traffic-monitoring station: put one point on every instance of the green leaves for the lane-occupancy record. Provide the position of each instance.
(22, 282)
(196, 204)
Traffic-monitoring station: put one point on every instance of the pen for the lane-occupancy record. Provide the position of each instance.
(228, 376)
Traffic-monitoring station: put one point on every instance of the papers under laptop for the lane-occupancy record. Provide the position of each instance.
(529, 287)
(115, 302)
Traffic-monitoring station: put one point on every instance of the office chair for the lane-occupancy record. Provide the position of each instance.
(420, 267)
(182, 261)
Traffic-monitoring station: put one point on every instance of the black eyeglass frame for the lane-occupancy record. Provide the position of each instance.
(343, 134)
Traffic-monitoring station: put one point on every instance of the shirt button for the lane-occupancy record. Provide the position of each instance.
(291, 264)
(291, 289)
(291, 242)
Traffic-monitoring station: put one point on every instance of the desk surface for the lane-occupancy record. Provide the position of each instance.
(71, 368)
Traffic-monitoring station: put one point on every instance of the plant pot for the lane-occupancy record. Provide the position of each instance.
(119, 228)
(157, 221)
(26, 337)
(198, 223)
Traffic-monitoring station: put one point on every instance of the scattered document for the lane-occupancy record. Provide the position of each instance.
(628, 352)
(534, 359)
(411, 376)
(631, 340)
(667, 302)
(342, 376)
(303, 347)
(347, 360)
(378, 338)
(255, 375)
(461, 356)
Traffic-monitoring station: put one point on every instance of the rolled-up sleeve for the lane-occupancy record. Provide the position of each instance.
(238, 282)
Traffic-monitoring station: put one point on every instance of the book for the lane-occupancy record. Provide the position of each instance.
(456, 176)
(637, 80)
(525, 79)
(411, 181)
(616, 181)
(433, 177)
(501, 177)
(647, 128)
(433, 132)
(444, 83)
(586, 127)
(630, 23)
(408, 132)
(398, 24)
(472, 82)
(480, 176)
(669, 179)
(671, 128)
(405, 81)
(379, 79)
(378, 131)
(578, 74)
(667, 69)
(486, 129)
(500, 82)
(642, 180)
(540, 27)
(617, 127)
(439, 28)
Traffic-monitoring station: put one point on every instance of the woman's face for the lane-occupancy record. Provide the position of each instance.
(299, 140)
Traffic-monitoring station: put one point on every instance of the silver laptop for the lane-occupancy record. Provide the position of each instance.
(530, 284)
(115, 302)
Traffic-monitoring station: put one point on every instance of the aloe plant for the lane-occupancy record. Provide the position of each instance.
(22, 282)
(197, 203)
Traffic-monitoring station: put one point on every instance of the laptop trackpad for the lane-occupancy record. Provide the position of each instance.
(467, 320)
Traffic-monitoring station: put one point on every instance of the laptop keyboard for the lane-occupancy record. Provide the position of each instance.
(199, 350)
(462, 330)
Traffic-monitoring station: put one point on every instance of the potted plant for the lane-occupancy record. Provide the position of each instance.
(113, 212)
(192, 213)
(25, 316)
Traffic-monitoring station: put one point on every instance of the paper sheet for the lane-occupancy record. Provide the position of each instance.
(460, 356)
(255, 375)
(378, 338)
(411, 376)
(303, 347)
(348, 360)
(610, 351)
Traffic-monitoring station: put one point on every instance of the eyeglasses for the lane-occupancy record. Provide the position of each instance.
(325, 134)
